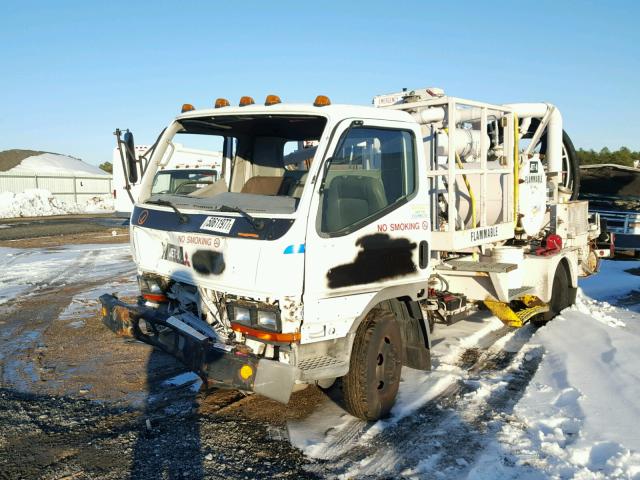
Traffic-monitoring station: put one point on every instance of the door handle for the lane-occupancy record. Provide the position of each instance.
(423, 254)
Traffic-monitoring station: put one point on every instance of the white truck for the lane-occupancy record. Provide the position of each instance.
(345, 232)
(184, 170)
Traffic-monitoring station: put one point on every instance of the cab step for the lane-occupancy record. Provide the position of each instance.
(321, 367)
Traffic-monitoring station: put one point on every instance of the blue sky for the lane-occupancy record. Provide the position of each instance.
(73, 71)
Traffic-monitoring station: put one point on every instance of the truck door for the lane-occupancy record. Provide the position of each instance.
(368, 226)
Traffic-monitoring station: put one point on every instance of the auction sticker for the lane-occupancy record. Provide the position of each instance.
(218, 224)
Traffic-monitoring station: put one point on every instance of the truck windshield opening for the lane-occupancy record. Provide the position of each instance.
(266, 171)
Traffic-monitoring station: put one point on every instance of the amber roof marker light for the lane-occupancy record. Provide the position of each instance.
(221, 102)
(244, 101)
(187, 107)
(321, 101)
(272, 100)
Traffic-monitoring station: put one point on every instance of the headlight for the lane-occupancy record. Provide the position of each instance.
(242, 315)
(267, 319)
(254, 315)
(149, 284)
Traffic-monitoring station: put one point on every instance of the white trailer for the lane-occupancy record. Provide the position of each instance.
(304, 265)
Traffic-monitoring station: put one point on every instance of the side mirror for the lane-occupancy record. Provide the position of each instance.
(130, 155)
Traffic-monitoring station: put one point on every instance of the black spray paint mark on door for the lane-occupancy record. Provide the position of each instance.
(379, 257)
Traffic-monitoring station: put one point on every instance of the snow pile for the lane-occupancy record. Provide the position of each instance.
(39, 203)
(53, 163)
(33, 203)
(99, 204)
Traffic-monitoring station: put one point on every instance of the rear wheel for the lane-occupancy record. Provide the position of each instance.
(371, 385)
(562, 295)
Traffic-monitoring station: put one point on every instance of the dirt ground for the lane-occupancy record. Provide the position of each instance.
(43, 232)
(80, 402)
(77, 401)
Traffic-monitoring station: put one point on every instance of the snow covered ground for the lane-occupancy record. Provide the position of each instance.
(39, 203)
(26, 271)
(562, 401)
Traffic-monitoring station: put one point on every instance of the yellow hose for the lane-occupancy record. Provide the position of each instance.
(516, 171)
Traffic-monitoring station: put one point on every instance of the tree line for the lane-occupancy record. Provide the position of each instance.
(623, 156)
(107, 167)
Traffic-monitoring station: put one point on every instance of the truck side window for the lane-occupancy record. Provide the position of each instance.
(373, 170)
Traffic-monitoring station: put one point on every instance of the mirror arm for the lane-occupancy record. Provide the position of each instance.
(125, 170)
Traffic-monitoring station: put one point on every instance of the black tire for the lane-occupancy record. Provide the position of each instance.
(574, 164)
(562, 296)
(371, 385)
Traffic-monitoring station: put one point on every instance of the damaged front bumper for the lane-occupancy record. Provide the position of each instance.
(223, 366)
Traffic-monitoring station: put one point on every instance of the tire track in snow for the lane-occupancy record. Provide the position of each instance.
(66, 275)
(443, 436)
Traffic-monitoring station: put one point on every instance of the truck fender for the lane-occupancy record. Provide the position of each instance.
(413, 330)
(570, 264)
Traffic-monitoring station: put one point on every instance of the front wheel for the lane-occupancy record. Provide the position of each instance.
(371, 385)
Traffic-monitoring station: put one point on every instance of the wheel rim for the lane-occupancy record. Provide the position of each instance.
(385, 365)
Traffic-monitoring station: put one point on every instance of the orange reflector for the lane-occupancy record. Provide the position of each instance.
(268, 336)
(249, 235)
(322, 101)
(272, 100)
(221, 102)
(246, 372)
(154, 297)
(244, 101)
(187, 107)
(104, 311)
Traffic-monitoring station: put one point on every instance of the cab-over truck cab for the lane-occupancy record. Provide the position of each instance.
(320, 238)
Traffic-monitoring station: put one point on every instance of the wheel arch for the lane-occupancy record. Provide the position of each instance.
(414, 328)
(572, 275)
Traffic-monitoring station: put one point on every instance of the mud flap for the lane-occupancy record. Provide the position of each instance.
(274, 380)
(415, 335)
